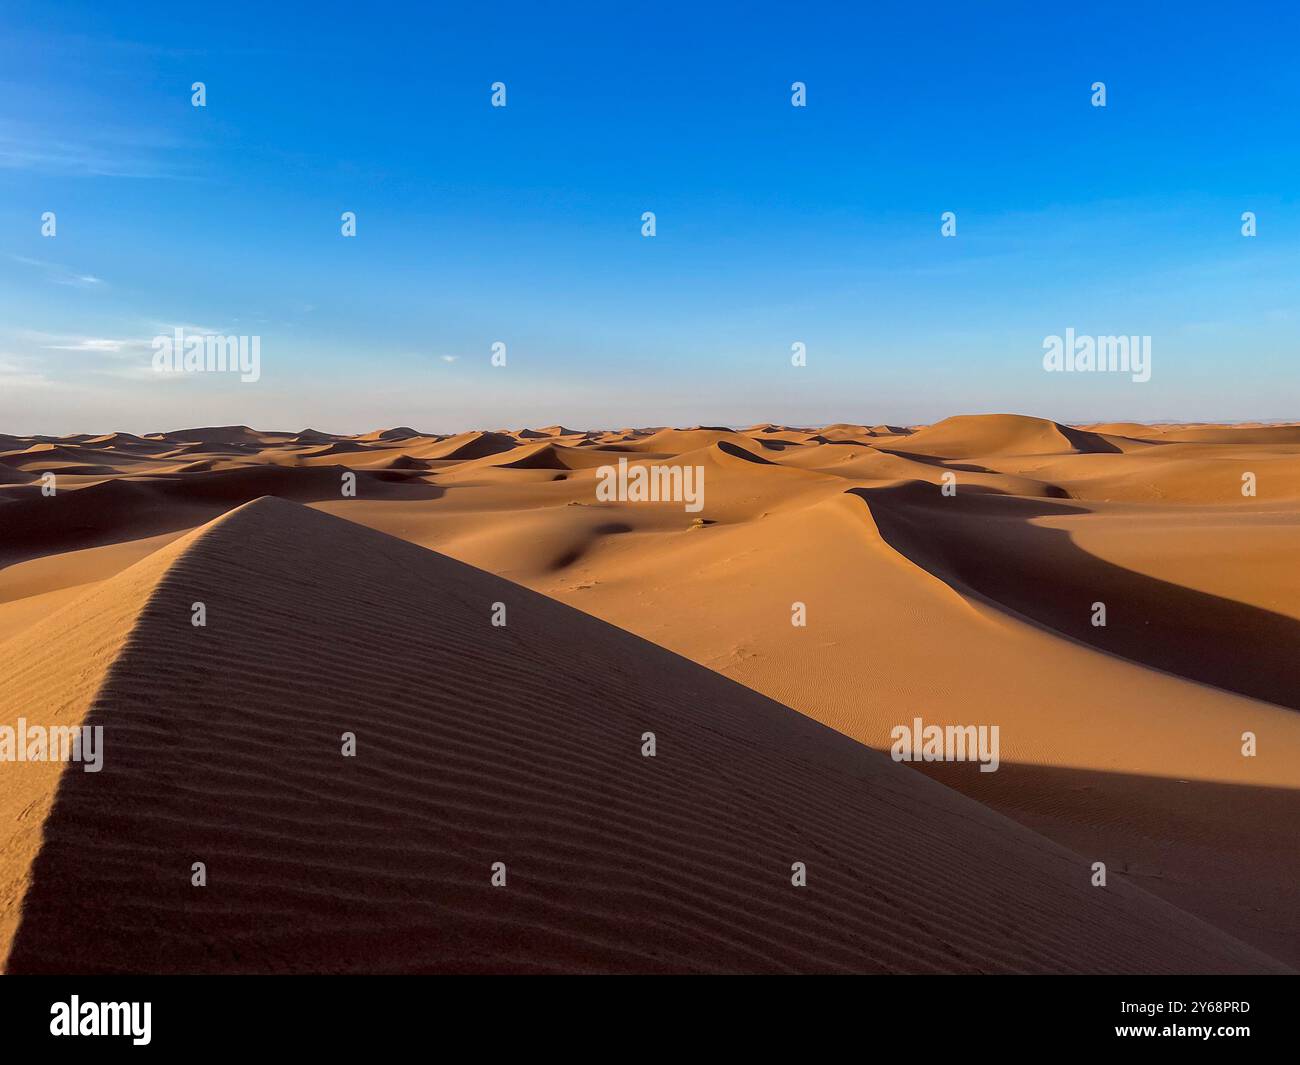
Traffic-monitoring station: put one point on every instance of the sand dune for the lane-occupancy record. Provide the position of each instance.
(550, 456)
(974, 435)
(1120, 743)
(678, 441)
(222, 434)
(223, 746)
(402, 432)
(467, 446)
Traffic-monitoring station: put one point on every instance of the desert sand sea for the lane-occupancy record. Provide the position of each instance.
(522, 744)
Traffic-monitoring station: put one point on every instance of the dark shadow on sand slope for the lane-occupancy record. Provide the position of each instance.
(986, 543)
(114, 511)
(1051, 490)
(736, 451)
(934, 460)
(1225, 852)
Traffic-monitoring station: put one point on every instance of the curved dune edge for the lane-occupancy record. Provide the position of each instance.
(56, 672)
(479, 744)
(1221, 642)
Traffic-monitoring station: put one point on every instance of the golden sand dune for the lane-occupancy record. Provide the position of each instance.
(465, 446)
(677, 441)
(237, 435)
(1122, 743)
(477, 745)
(545, 455)
(972, 435)
(402, 432)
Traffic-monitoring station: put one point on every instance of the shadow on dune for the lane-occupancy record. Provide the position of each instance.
(935, 460)
(1225, 852)
(569, 557)
(115, 511)
(1089, 443)
(738, 452)
(987, 543)
(1054, 491)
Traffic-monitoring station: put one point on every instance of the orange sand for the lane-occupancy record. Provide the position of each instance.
(1119, 744)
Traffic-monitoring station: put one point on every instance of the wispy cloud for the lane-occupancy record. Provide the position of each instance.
(96, 344)
(59, 274)
(125, 346)
(100, 151)
(54, 358)
(90, 345)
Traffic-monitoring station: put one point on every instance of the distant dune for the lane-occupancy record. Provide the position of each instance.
(968, 436)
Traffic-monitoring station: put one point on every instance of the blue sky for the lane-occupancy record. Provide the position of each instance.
(522, 224)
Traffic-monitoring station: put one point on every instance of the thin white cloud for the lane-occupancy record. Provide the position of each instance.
(90, 345)
(92, 151)
(188, 328)
(59, 274)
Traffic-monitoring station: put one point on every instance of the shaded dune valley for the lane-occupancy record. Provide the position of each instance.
(519, 744)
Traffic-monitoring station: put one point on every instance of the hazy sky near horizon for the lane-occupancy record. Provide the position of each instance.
(522, 224)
